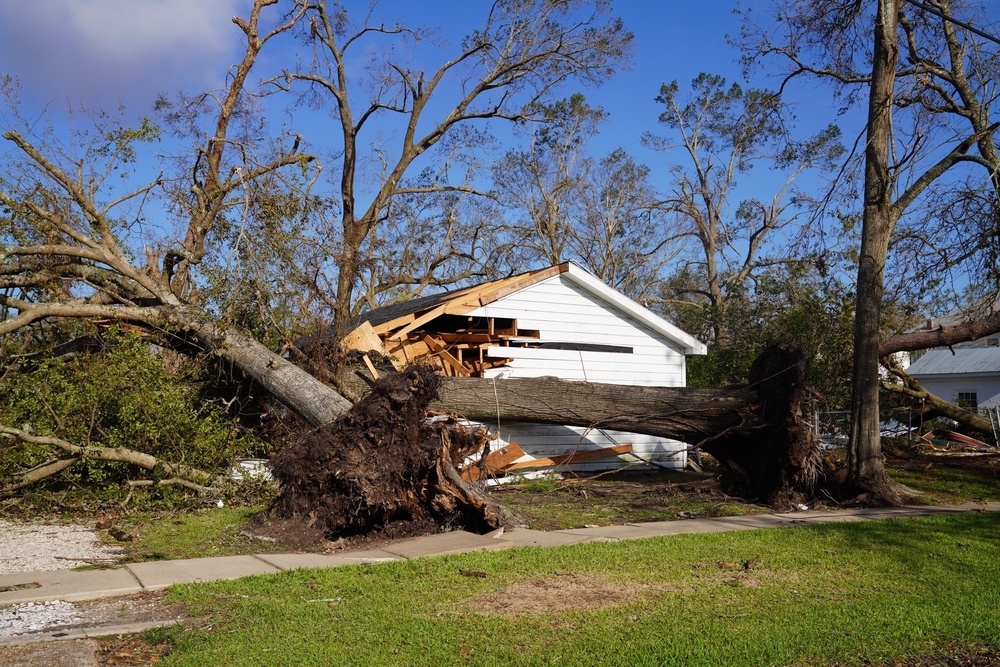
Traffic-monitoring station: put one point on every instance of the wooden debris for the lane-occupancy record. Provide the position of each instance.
(574, 457)
(370, 366)
(495, 463)
(512, 458)
(444, 334)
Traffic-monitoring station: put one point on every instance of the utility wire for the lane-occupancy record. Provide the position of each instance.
(968, 26)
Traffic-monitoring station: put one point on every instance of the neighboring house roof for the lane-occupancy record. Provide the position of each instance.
(411, 314)
(964, 361)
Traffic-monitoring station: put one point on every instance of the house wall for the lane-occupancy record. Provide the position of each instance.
(564, 312)
(987, 387)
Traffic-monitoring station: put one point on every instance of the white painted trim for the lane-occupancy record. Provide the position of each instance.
(589, 282)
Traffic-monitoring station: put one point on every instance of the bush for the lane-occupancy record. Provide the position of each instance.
(121, 396)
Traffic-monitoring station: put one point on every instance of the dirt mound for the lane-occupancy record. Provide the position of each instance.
(381, 464)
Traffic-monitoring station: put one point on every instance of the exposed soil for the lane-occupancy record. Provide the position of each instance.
(380, 467)
(558, 593)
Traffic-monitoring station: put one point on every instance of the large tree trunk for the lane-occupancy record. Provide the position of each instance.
(688, 415)
(314, 401)
(759, 433)
(940, 337)
(865, 464)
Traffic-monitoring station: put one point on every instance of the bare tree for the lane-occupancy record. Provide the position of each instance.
(504, 70)
(724, 132)
(68, 235)
(541, 185)
(621, 233)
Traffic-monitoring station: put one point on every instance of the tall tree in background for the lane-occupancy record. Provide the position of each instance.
(541, 184)
(929, 81)
(724, 131)
(621, 232)
(505, 70)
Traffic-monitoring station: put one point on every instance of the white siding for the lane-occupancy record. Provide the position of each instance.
(541, 440)
(986, 387)
(563, 312)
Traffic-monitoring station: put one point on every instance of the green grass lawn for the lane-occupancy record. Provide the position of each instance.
(845, 594)
(203, 533)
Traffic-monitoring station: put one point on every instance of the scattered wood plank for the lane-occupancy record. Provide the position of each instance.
(362, 339)
(370, 365)
(495, 461)
(575, 457)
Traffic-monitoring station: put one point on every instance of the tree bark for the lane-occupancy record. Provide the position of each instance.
(311, 399)
(940, 337)
(933, 405)
(679, 413)
(865, 465)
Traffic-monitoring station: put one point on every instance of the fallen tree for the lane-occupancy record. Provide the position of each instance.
(176, 473)
(760, 433)
(930, 405)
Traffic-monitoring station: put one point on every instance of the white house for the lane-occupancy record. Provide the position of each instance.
(560, 321)
(969, 376)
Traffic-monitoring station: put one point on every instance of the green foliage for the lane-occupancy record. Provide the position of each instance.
(788, 305)
(123, 396)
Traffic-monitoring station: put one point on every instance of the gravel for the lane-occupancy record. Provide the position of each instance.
(46, 547)
(32, 617)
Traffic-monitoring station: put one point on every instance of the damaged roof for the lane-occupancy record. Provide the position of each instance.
(413, 313)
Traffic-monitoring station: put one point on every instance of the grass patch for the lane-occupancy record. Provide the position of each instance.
(203, 533)
(550, 505)
(847, 594)
(944, 485)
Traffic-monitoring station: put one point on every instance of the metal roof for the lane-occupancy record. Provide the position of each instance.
(965, 360)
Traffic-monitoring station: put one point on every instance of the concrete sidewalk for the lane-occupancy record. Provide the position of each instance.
(79, 585)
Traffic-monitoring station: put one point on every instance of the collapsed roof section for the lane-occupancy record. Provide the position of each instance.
(441, 329)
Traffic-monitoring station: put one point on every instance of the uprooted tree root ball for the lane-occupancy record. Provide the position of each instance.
(381, 464)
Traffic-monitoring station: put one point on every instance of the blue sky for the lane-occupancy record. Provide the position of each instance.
(106, 52)
(103, 53)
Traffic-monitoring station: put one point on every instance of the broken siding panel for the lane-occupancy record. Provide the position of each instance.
(543, 440)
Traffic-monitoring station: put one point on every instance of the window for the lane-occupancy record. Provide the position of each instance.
(968, 400)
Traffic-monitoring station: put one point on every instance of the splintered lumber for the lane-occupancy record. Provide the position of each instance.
(573, 457)
(441, 350)
(495, 462)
